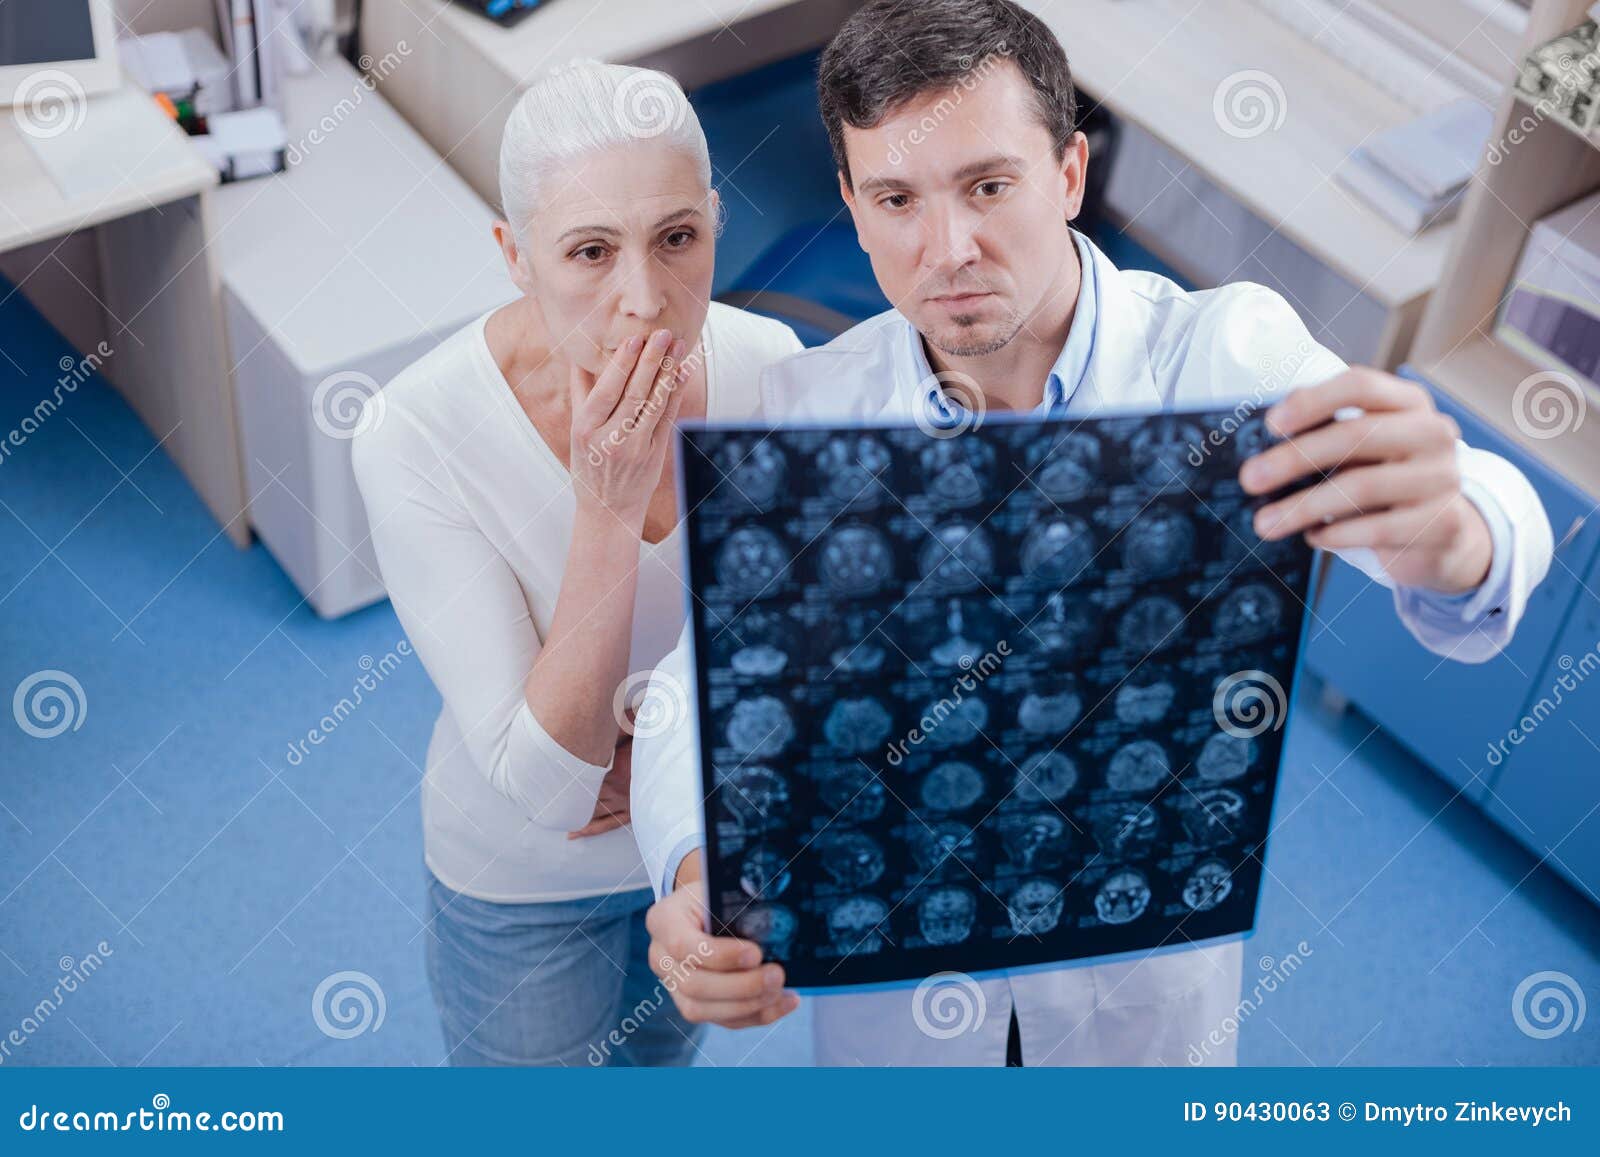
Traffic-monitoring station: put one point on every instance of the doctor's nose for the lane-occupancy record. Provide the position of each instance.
(950, 239)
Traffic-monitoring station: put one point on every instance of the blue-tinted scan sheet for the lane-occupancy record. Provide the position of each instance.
(985, 699)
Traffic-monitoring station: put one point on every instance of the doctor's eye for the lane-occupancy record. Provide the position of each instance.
(991, 188)
(895, 201)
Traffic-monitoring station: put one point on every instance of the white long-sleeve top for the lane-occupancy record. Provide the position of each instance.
(471, 517)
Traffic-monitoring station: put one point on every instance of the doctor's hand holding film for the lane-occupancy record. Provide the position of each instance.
(1390, 483)
(713, 979)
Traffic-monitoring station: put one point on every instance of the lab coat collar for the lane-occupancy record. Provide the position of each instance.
(1104, 363)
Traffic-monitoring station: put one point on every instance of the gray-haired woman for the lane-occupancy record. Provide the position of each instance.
(519, 484)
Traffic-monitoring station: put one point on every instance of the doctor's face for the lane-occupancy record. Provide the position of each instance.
(962, 205)
(622, 244)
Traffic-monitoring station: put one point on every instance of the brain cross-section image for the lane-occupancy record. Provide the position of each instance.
(1004, 696)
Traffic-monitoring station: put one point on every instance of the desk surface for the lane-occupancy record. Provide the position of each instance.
(1159, 63)
(620, 30)
(32, 207)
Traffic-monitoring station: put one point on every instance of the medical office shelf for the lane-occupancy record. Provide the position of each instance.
(1544, 790)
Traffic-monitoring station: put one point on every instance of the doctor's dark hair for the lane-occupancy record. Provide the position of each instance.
(892, 51)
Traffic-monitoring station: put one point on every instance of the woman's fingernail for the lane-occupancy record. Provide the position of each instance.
(660, 338)
(635, 343)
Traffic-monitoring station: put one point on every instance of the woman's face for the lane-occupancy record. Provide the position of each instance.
(622, 244)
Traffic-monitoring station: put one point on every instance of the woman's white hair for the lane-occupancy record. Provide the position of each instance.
(584, 107)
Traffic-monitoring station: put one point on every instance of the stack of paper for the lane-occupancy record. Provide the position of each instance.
(1416, 173)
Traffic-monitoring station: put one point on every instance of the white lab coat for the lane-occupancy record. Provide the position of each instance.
(1156, 347)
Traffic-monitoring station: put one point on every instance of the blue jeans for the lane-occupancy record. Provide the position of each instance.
(560, 983)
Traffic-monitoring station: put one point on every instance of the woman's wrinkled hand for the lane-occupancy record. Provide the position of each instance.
(611, 806)
(622, 424)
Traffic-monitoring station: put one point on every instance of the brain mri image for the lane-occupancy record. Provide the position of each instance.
(753, 471)
(1224, 757)
(1049, 714)
(1249, 614)
(1044, 777)
(857, 726)
(861, 649)
(935, 845)
(852, 794)
(1126, 831)
(752, 562)
(855, 560)
(1064, 468)
(1123, 897)
(945, 915)
(955, 650)
(1158, 543)
(956, 694)
(853, 861)
(955, 723)
(759, 727)
(1035, 907)
(1033, 841)
(952, 787)
(1150, 624)
(761, 641)
(959, 470)
(855, 924)
(955, 558)
(1058, 550)
(850, 466)
(1145, 697)
(764, 874)
(1208, 885)
(770, 925)
(1161, 453)
(1064, 629)
(755, 798)
(1140, 766)
(1214, 816)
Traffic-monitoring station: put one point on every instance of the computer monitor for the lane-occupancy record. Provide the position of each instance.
(75, 37)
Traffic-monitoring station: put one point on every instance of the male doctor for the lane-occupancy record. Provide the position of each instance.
(951, 123)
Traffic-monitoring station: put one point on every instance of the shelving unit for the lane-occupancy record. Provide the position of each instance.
(1542, 168)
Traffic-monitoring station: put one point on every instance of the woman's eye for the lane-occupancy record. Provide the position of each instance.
(590, 253)
(679, 238)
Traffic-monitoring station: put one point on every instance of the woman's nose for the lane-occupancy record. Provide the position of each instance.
(641, 293)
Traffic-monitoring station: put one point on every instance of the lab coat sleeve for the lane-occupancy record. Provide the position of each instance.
(465, 614)
(665, 797)
(1258, 335)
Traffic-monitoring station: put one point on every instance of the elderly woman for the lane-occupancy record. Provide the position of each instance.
(519, 484)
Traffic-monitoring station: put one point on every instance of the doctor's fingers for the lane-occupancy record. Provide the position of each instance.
(766, 1015)
(1389, 532)
(1373, 437)
(723, 996)
(1363, 388)
(1361, 490)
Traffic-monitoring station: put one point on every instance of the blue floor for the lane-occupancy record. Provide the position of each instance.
(228, 882)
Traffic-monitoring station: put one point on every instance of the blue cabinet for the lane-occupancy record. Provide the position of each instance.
(1547, 792)
(1448, 712)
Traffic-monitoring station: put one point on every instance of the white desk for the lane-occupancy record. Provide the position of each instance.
(1154, 63)
(1158, 64)
(158, 285)
(345, 269)
(459, 74)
